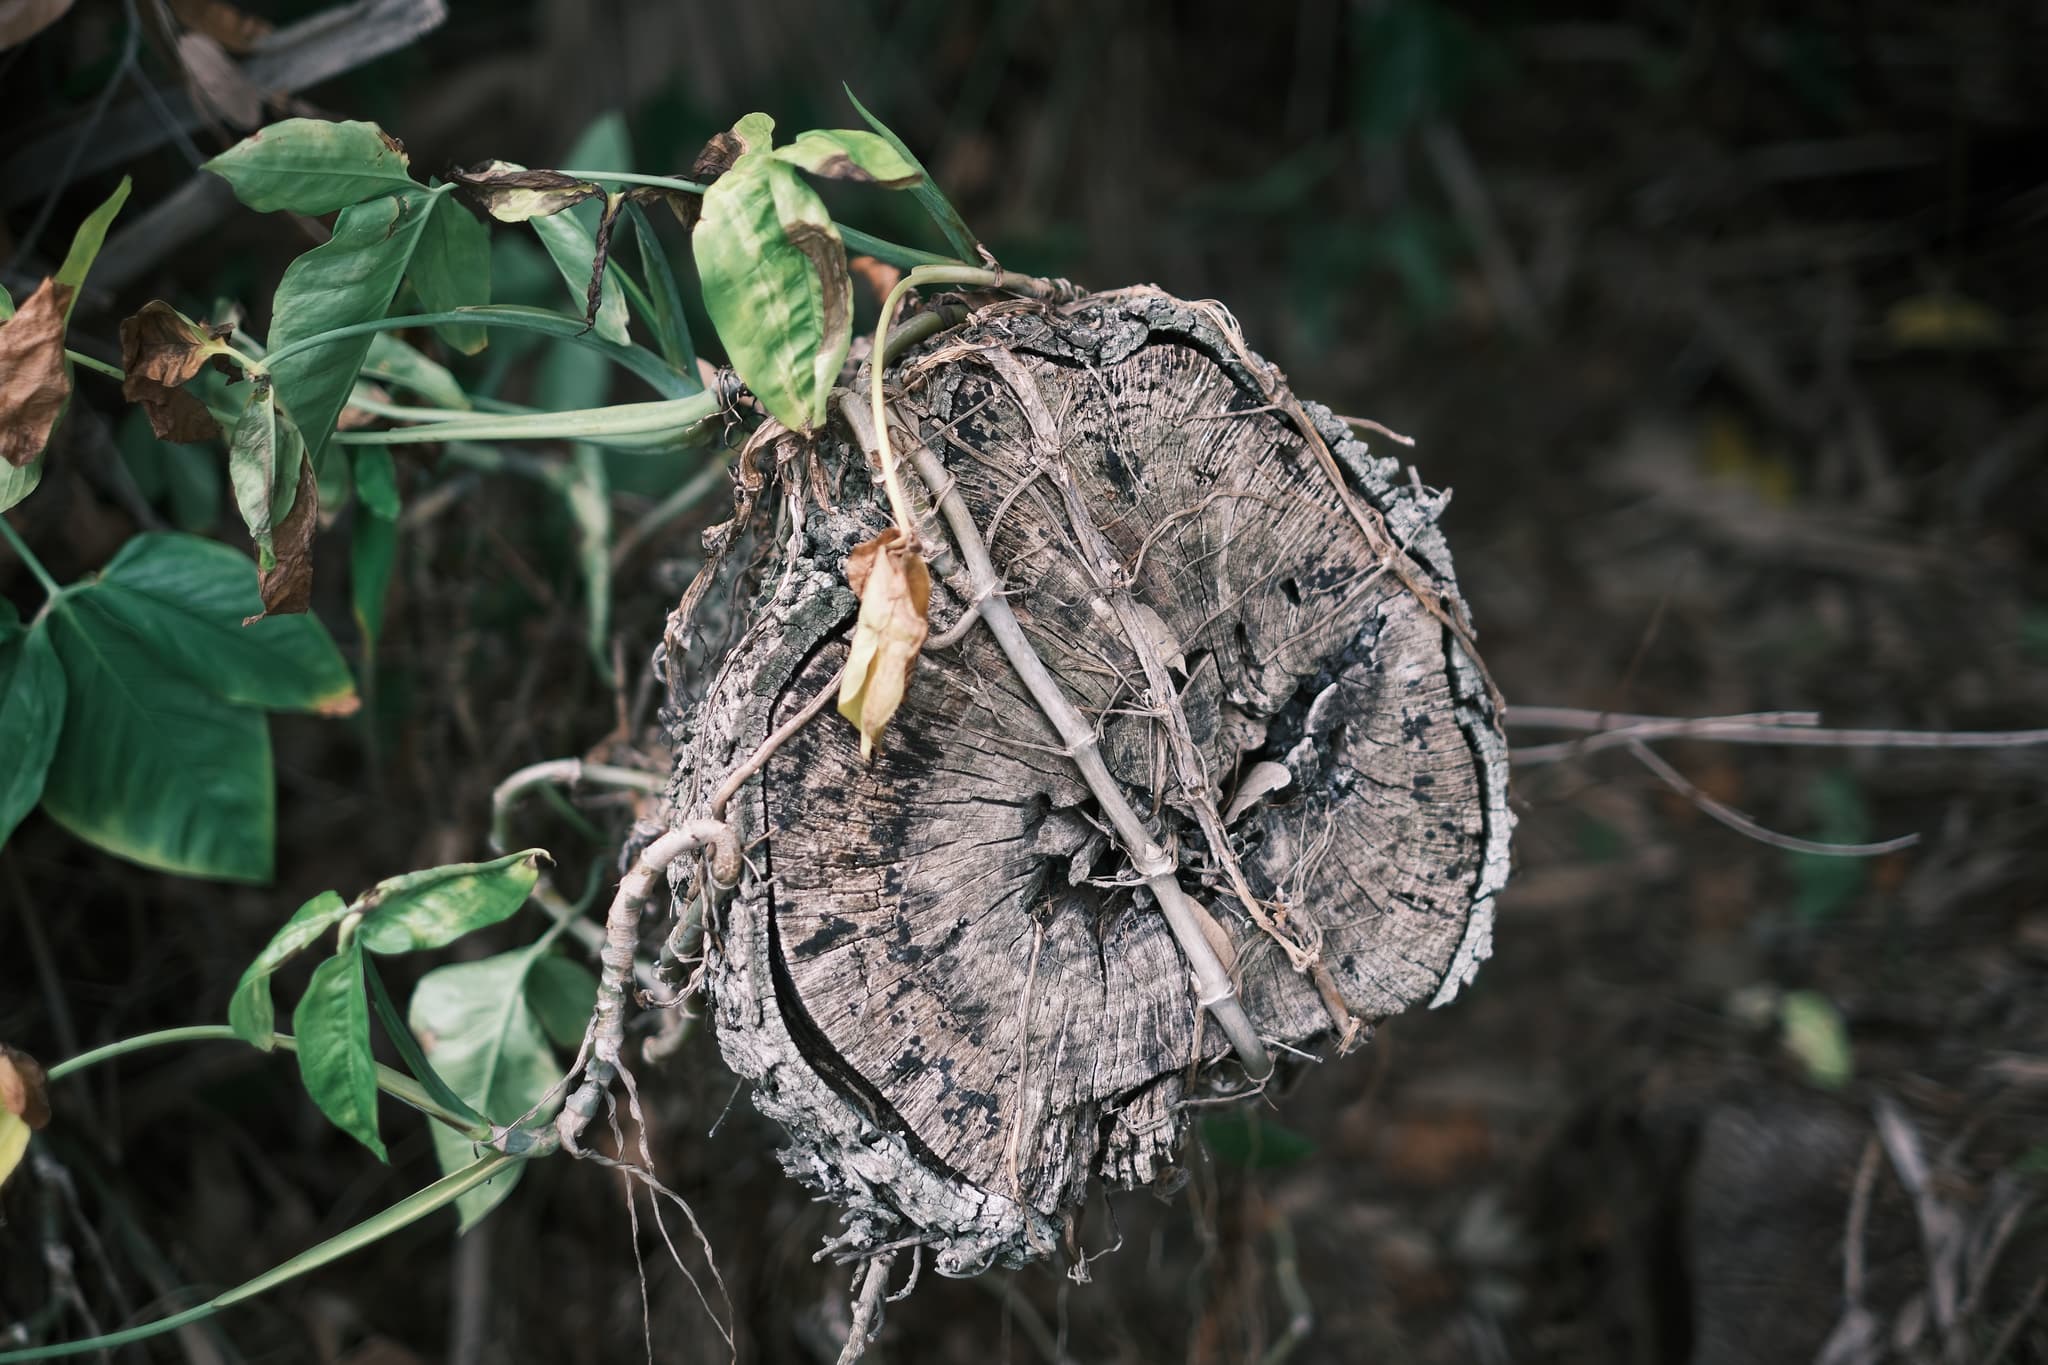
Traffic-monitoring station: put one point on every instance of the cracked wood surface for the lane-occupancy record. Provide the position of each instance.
(939, 972)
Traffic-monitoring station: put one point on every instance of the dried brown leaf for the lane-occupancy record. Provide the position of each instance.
(233, 28)
(21, 20)
(895, 590)
(160, 350)
(33, 384)
(512, 194)
(287, 585)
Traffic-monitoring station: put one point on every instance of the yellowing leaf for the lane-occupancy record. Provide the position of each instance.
(895, 600)
(33, 384)
(513, 194)
(24, 1106)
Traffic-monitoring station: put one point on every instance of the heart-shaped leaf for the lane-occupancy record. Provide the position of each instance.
(312, 166)
(775, 283)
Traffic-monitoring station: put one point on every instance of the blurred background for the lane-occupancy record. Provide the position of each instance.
(1728, 326)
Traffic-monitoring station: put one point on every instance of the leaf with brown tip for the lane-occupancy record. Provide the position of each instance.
(24, 1105)
(287, 585)
(513, 194)
(161, 349)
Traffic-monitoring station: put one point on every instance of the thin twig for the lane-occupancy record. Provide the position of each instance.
(1742, 824)
(737, 778)
(871, 1287)
(1798, 728)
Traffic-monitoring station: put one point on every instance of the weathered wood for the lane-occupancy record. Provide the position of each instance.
(939, 971)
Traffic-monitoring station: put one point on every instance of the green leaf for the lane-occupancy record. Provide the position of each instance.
(351, 278)
(776, 286)
(432, 909)
(372, 551)
(312, 166)
(849, 154)
(408, 1047)
(1813, 1032)
(562, 994)
(17, 482)
(452, 269)
(251, 1013)
(377, 482)
(151, 766)
(264, 455)
(185, 483)
(332, 1025)
(31, 718)
(1828, 885)
(756, 132)
(395, 362)
(477, 1029)
(670, 324)
(929, 196)
(87, 241)
(587, 490)
(181, 600)
(1252, 1143)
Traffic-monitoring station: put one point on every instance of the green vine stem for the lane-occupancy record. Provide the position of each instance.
(375, 1228)
(50, 586)
(672, 419)
(396, 1084)
(95, 365)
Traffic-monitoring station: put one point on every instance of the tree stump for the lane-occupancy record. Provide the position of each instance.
(938, 971)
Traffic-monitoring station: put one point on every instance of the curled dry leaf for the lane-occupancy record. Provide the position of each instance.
(895, 592)
(512, 194)
(24, 1105)
(161, 349)
(33, 384)
(287, 585)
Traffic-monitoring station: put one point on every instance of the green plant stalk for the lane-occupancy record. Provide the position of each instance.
(863, 243)
(98, 366)
(396, 1084)
(638, 359)
(892, 482)
(375, 1228)
(51, 588)
(669, 418)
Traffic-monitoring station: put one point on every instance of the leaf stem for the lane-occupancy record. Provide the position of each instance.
(672, 417)
(94, 364)
(50, 586)
(396, 1084)
(375, 1228)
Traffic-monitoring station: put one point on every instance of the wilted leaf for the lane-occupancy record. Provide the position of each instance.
(33, 381)
(217, 82)
(452, 269)
(265, 456)
(250, 1011)
(511, 193)
(433, 908)
(313, 166)
(232, 28)
(21, 20)
(332, 1026)
(775, 283)
(849, 154)
(162, 349)
(287, 585)
(927, 193)
(478, 1030)
(24, 1103)
(754, 132)
(895, 592)
(31, 717)
(1814, 1033)
(349, 279)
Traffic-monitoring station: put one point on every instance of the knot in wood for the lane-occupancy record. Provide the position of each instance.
(942, 971)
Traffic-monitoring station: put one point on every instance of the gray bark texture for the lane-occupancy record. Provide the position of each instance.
(939, 971)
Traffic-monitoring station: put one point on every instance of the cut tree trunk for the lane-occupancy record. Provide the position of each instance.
(940, 971)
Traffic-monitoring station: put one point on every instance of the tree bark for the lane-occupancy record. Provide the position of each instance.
(939, 970)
